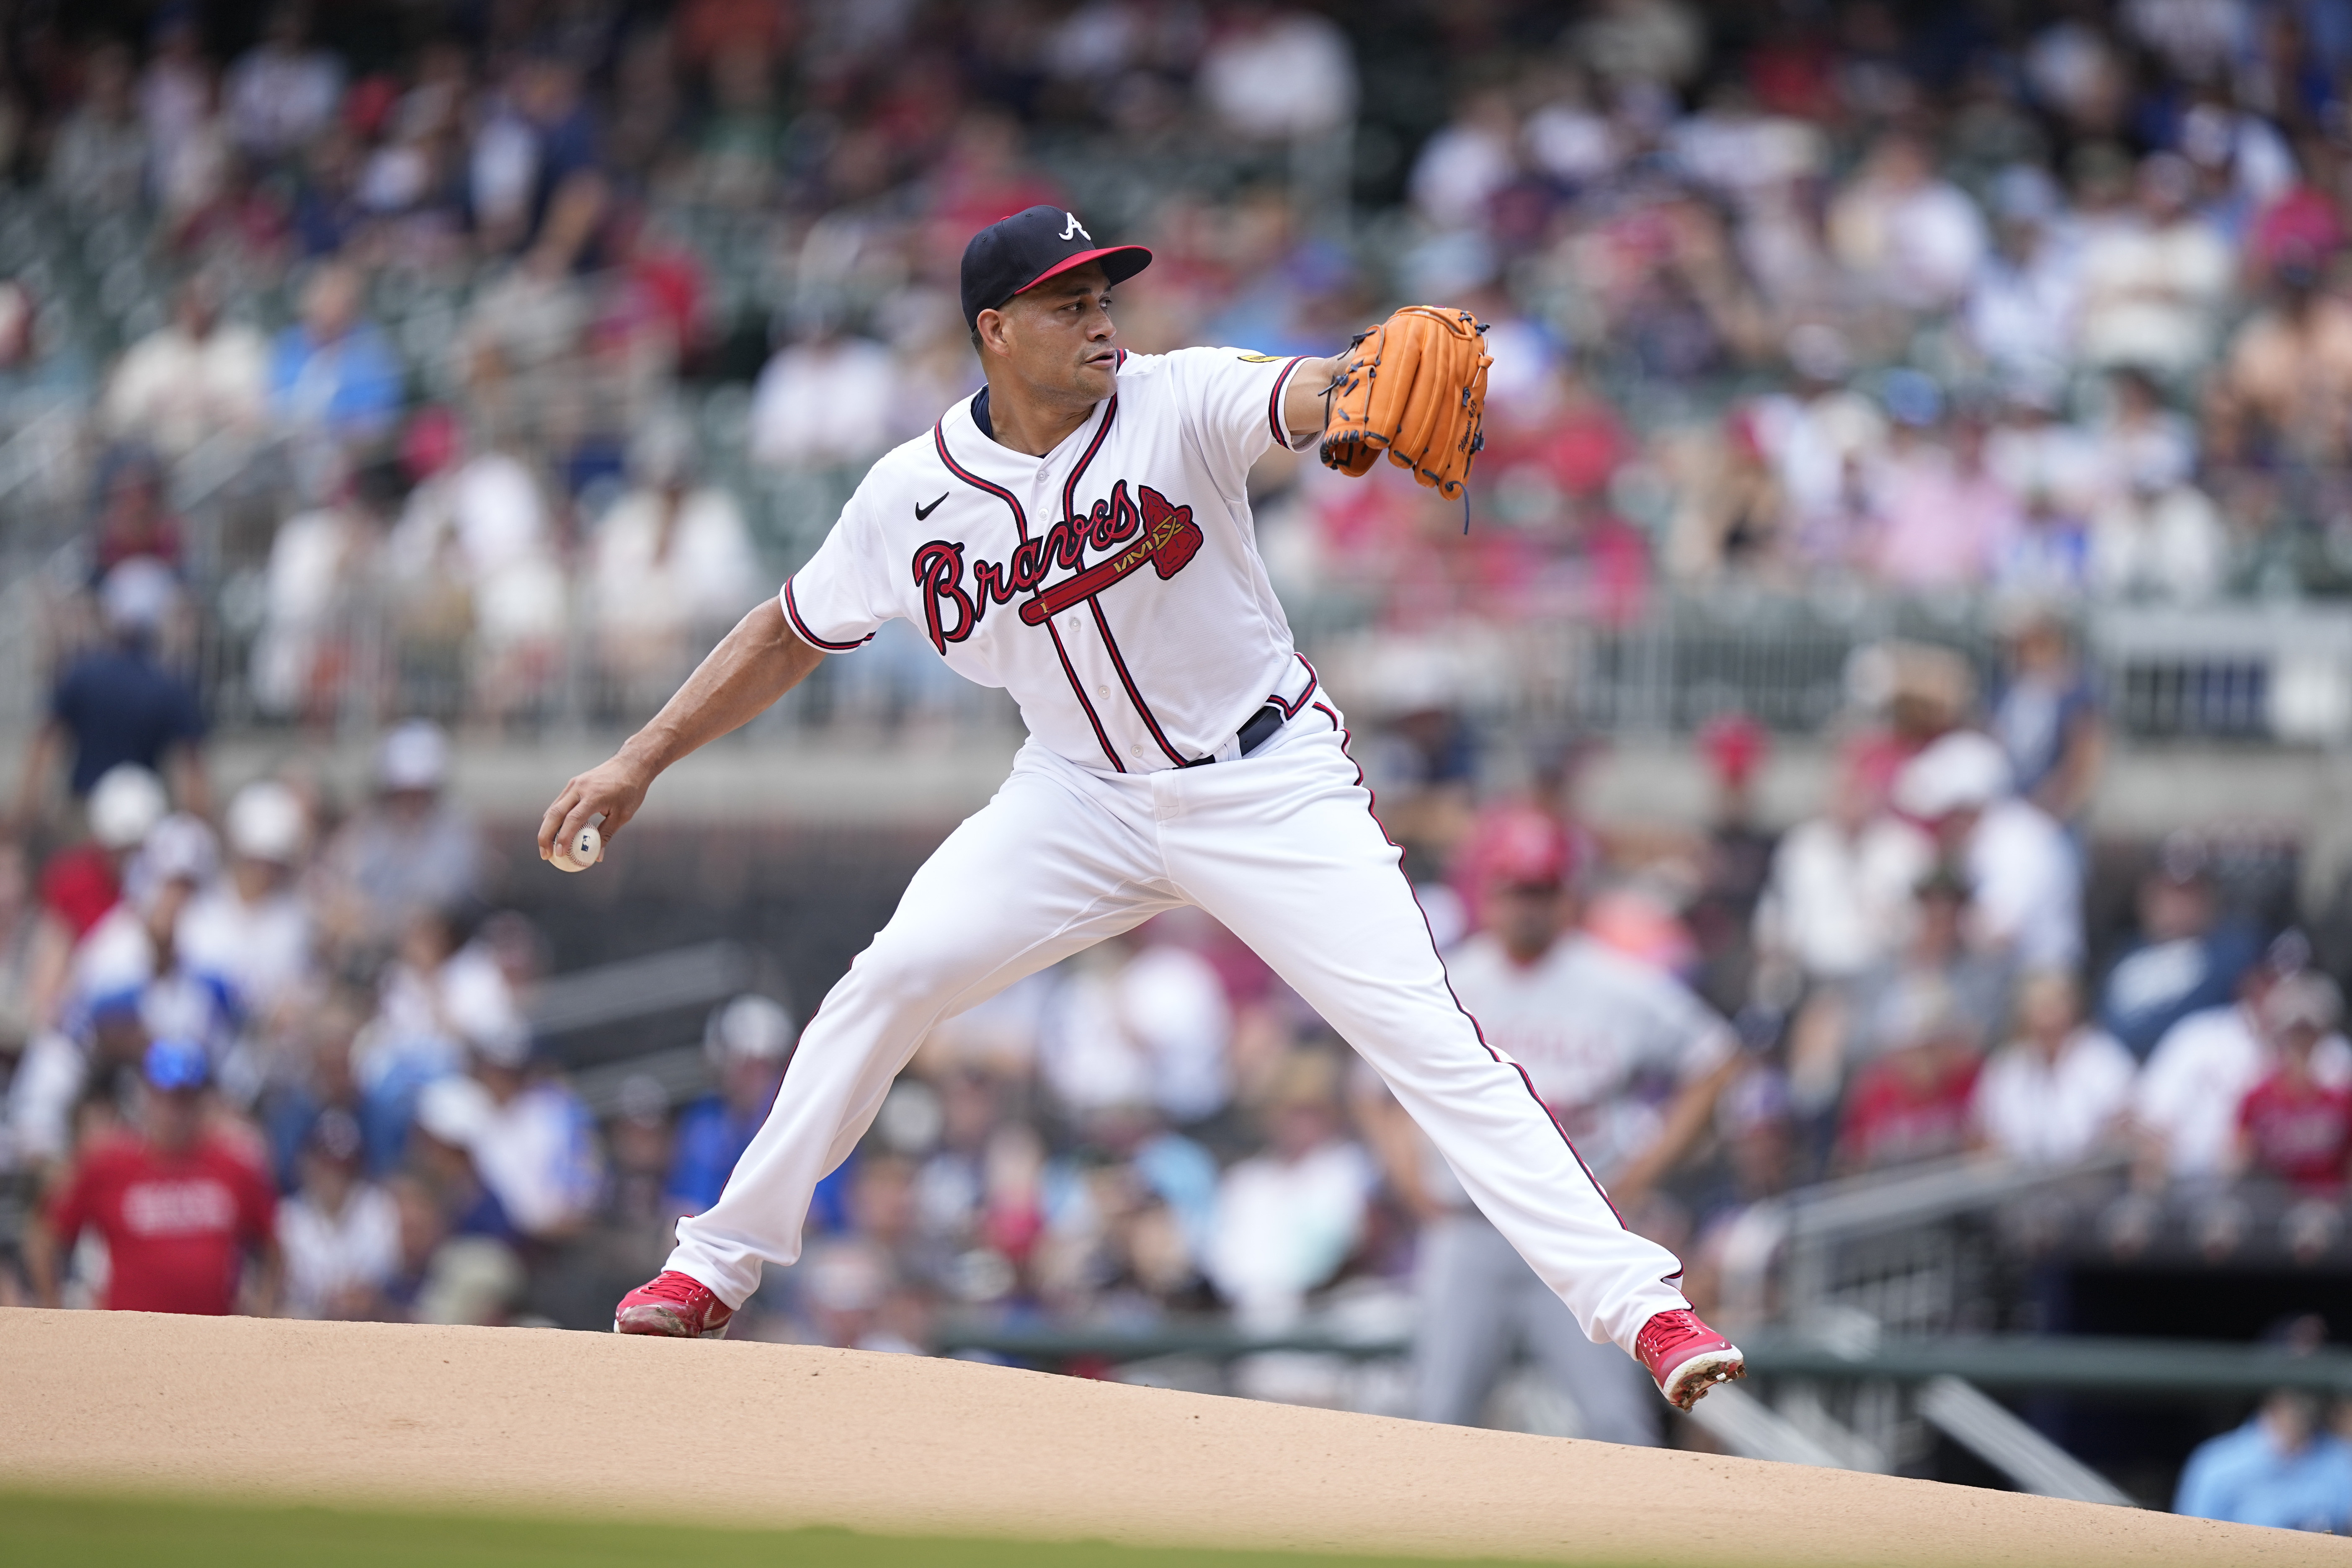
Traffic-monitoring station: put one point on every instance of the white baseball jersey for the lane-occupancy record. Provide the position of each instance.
(1112, 585)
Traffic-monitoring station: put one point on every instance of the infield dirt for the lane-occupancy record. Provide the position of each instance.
(542, 1421)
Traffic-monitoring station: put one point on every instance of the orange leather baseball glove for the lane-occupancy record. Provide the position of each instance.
(1416, 387)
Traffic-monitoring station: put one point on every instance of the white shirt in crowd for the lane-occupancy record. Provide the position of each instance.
(2171, 544)
(824, 404)
(317, 562)
(1459, 170)
(1586, 1021)
(2041, 1112)
(2027, 885)
(491, 507)
(709, 573)
(328, 1254)
(172, 390)
(1920, 247)
(1279, 74)
(2200, 1074)
(266, 950)
(1282, 1228)
(1154, 1033)
(1839, 901)
(278, 96)
(2151, 294)
(535, 1153)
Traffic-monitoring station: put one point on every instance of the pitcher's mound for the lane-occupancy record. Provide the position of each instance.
(724, 1433)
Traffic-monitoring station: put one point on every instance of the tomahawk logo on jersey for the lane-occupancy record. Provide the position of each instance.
(1113, 585)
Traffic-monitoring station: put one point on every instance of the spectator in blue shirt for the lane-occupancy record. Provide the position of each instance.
(750, 1040)
(2185, 959)
(2049, 720)
(332, 373)
(2279, 1468)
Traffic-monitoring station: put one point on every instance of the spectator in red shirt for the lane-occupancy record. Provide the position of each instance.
(1912, 1104)
(2291, 1125)
(83, 881)
(178, 1206)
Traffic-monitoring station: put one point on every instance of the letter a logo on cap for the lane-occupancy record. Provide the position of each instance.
(1074, 228)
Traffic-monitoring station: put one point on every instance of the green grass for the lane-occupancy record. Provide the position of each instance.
(41, 1530)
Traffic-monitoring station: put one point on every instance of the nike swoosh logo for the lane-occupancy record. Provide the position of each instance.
(923, 513)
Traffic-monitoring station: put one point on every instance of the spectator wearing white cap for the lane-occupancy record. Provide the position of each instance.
(2024, 875)
(83, 881)
(118, 704)
(413, 849)
(126, 984)
(78, 888)
(748, 1041)
(252, 928)
(136, 943)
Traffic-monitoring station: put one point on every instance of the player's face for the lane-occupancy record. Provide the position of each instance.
(1527, 919)
(1060, 335)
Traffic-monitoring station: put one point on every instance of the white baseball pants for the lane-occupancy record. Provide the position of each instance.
(1282, 847)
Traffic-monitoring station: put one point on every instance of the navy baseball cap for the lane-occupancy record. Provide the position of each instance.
(1015, 254)
(176, 1064)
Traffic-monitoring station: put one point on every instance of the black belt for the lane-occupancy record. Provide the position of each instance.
(1256, 733)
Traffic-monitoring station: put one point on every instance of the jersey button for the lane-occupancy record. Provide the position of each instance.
(1102, 688)
(1137, 748)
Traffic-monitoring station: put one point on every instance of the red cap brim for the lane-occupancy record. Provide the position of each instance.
(1117, 271)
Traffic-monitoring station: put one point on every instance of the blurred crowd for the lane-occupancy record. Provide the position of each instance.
(281, 1056)
(552, 334)
(546, 340)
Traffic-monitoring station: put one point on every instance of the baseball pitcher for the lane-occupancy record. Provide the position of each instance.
(1079, 533)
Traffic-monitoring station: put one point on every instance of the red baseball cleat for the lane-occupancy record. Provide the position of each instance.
(1686, 1357)
(677, 1305)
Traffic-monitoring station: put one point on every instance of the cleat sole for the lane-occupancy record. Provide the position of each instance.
(1702, 1373)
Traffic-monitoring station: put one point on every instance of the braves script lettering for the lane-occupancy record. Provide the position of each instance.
(1163, 535)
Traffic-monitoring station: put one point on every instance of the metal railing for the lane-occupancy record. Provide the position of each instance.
(2086, 1363)
(2227, 674)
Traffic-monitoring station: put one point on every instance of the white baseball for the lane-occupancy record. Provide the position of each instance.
(584, 849)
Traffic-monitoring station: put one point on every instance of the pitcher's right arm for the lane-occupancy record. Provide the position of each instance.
(755, 664)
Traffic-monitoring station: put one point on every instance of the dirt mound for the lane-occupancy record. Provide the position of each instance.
(541, 1421)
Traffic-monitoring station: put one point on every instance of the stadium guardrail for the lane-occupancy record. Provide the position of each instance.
(2084, 1363)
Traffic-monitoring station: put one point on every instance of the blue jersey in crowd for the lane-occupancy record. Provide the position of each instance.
(2242, 1477)
(2154, 985)
(711, 1136)
(121, 706)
